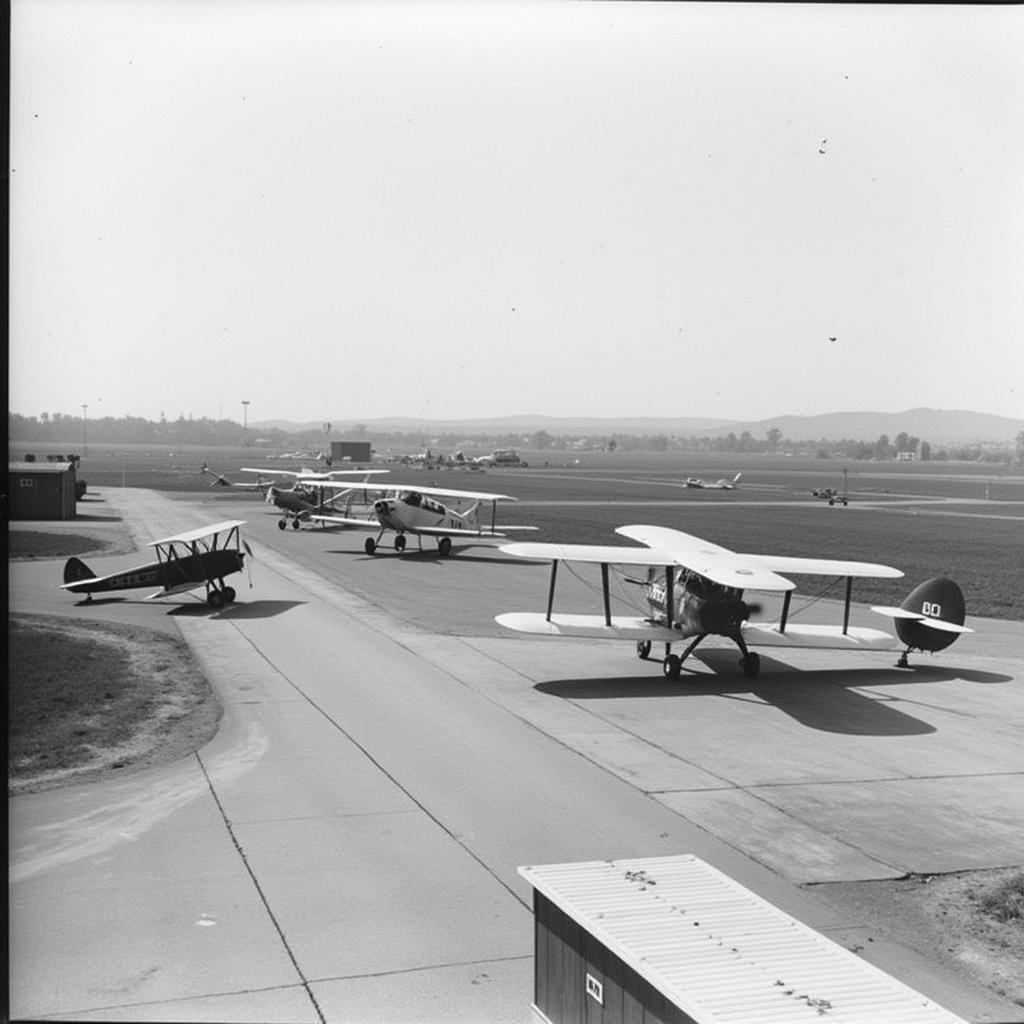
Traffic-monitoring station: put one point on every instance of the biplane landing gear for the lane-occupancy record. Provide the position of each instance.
(444, 547)
(295, 523)
(215, 599)
(400, 542)
(229, 594)
(672, 666)
(643, 649)
(370, 546)
(750, 662)
(282, 523)
(903, 662)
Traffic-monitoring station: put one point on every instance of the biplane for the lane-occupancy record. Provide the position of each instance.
(714, 485)
(411, 510)
(694, 589)
(306, 495)
(186, 561)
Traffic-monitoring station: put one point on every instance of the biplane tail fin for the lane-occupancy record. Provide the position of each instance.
(931, 617)
(76, 570)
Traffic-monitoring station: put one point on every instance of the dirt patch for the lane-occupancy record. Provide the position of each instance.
(969, 921)
(89, 699)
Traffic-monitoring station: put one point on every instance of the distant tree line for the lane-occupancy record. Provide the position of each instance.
(60, 428)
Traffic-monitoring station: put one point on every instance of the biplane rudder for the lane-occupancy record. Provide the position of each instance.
(940, 600)
(75, 570)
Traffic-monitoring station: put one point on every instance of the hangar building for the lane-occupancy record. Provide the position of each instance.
(41, 490)
(350, 451)
(672, 940)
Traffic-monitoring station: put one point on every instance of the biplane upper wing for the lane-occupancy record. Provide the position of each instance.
(443, 492)
(189, 536)
(718, 564)
(693, 552)
(310, 476)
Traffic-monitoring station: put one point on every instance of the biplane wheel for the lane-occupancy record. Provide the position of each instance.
(751, 665)
(643, 649)
(282, 523)
(215, 599)
(370, 546)
(295, 523)
(400, 542)
(672, 666)
(229, 594)
(444, 547)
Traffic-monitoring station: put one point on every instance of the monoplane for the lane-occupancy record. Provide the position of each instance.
(714, 485)
(413, 510)
(694, 589)
(186, 561)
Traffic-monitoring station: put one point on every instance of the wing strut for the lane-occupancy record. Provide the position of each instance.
(669, 596)
(785, 611)
(551, 589)
(846, 605)
(604, 590)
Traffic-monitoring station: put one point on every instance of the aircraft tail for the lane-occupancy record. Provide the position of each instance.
(931, 617)
(76, 570)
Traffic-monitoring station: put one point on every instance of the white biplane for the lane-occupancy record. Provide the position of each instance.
(694, 589)
(414, 510)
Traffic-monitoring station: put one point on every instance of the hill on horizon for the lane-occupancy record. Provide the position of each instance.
(937, 426)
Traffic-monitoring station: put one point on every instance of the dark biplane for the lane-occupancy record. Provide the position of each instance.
(186, 561)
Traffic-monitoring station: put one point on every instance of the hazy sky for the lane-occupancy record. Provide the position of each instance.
(340, 210)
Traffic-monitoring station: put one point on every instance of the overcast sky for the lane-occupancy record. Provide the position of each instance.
(344, 210)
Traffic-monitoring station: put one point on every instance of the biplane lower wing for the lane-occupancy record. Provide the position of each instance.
(590, 627)
(625, 627)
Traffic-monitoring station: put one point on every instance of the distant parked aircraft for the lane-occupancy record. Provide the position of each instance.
(714, 485)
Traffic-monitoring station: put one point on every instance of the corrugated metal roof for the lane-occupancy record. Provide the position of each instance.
(50, 468)
(721, 953)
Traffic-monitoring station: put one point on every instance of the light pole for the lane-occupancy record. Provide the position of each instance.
(245, 423)
(85, 431)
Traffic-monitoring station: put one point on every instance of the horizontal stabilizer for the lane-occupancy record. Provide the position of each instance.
(591, 627)
(924, 620)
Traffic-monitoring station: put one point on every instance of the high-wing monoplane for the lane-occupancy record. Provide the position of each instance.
(186, 561)
(714, 485)
(694, 589)
(413, 510)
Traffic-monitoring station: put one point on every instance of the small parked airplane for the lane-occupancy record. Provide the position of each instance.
(306, 497)
(411, 509)
(263, 481)
(714, 485)
(699, 593)
(186, 561)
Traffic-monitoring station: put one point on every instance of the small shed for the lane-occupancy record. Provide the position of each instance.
(350, 451)
(41, 490)
(672, 940)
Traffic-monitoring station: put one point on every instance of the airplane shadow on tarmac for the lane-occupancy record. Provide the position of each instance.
(238, 610)
(825, 700)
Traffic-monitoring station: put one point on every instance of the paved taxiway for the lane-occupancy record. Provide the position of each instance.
(346, 848)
